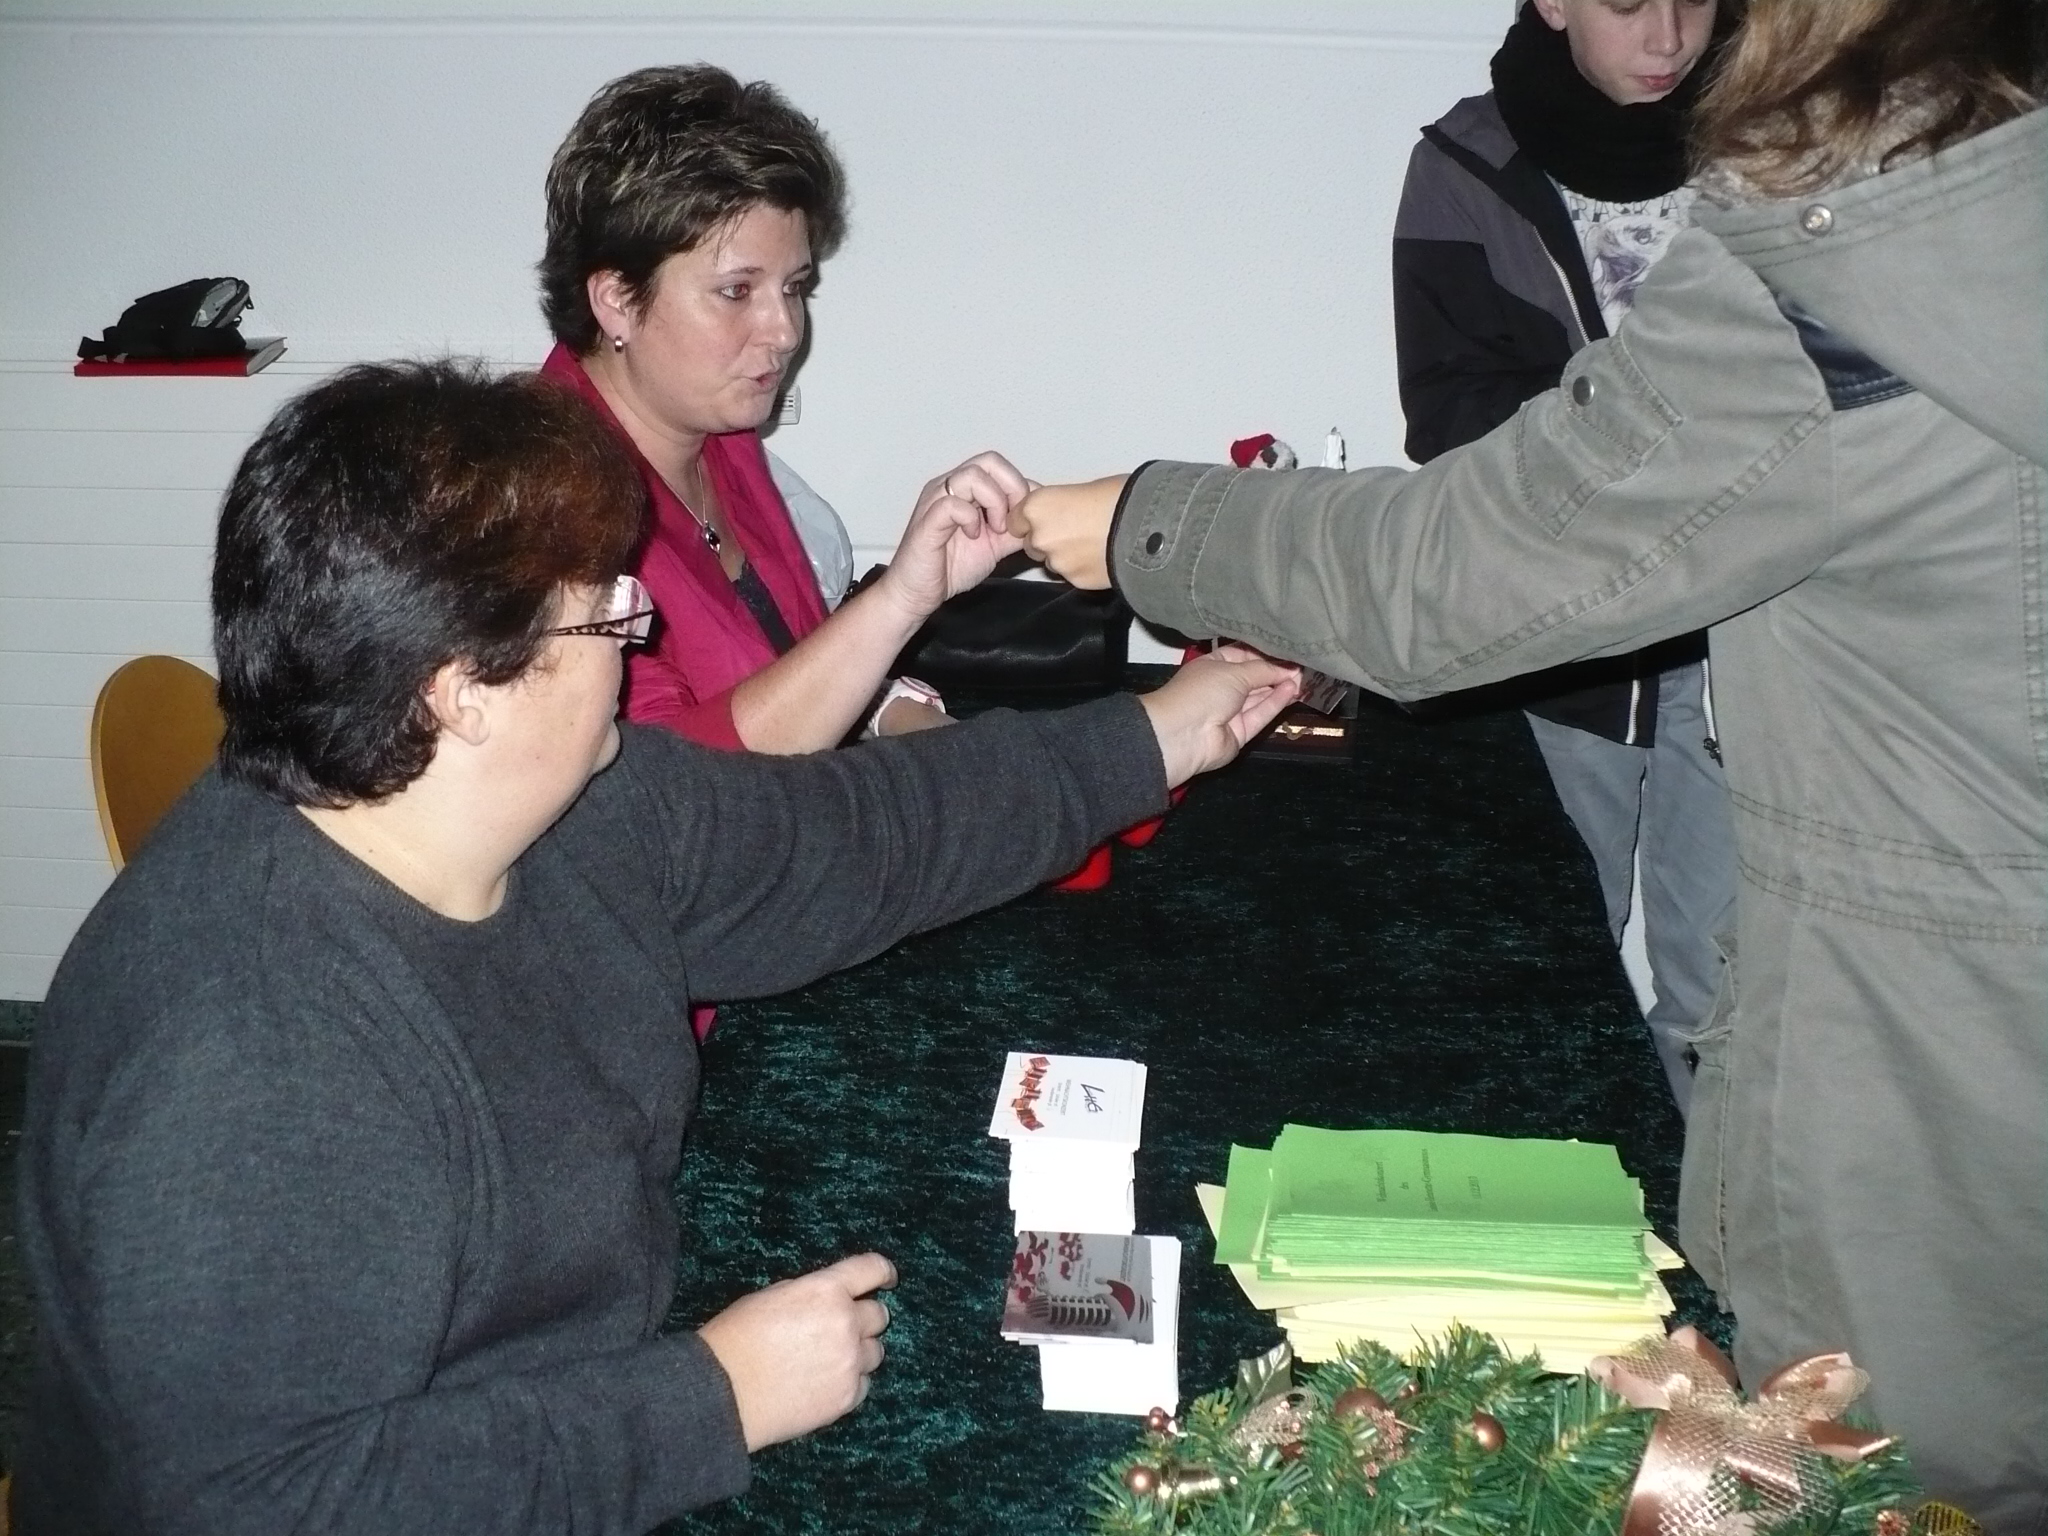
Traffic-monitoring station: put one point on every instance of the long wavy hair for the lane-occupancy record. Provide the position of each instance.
(1812, 89)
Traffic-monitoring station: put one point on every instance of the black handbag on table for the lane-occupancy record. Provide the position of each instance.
(1016, 633)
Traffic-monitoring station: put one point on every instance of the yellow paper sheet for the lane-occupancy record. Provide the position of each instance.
(1565, 1330)
(1312, 1344)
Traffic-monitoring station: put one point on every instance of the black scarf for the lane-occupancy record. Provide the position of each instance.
(1566, 124)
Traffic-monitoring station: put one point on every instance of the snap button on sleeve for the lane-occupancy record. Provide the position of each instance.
(1154, 542)
(1582, 391)
(1818, 219)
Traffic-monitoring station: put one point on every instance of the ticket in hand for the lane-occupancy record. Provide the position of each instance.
(1320, 691)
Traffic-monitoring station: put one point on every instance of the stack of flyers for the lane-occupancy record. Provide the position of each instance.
(1072, 1123)
(1394, 1235)
(1104, 1311)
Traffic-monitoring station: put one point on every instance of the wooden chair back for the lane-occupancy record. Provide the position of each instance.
(155, 728)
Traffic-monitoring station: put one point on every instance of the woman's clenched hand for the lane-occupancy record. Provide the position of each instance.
(1066, 528)
(799, 1352)
(959, 529)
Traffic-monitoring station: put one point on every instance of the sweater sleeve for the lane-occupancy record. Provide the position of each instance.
(279, 1222)
(1467, 351)
(1683, 474)
(782, 869)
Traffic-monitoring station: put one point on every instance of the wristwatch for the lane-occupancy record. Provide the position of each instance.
(902, 688)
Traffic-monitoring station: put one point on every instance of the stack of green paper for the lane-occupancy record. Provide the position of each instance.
(1394, 1235)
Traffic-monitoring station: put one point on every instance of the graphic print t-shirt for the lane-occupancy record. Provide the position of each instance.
(1622, 241)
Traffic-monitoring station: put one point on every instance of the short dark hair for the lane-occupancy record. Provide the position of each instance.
(660, 161)
(393, 519)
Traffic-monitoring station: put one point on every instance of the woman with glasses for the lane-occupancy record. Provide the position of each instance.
(357, 1101)
(686, 214)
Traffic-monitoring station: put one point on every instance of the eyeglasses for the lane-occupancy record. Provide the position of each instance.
(626, 615)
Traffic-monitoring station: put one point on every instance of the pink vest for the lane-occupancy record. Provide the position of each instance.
(707, 642)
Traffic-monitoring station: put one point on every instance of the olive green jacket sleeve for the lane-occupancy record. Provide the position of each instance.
(1681, 473)
(1684, 471)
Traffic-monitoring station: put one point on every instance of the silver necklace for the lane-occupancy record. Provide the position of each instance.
(712, 541)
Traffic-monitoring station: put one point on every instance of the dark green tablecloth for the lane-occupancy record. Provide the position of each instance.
(1412, 941)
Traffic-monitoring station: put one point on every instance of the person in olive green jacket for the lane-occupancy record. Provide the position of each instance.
(1821, 431)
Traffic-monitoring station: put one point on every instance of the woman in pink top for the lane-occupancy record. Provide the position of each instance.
(684, 213)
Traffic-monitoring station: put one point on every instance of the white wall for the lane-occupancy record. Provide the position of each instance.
(1083, 234)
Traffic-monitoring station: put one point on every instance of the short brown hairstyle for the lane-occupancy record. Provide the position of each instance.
(659, 162)
(393, 519)
(1812, 89)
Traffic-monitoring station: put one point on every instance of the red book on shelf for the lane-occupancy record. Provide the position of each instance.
(260, 353)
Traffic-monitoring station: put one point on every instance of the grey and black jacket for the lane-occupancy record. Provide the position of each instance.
(1491, 299)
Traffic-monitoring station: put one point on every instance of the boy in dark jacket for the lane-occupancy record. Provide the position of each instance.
(1529, 217)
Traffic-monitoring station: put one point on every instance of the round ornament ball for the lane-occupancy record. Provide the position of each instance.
(1487, 1430)
(1157, 1421)
(1357, 1402)
(1142, 1480)
(1291, 1451)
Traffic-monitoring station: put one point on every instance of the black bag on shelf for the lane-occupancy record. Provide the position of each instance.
(1015, 633)
(202, 318)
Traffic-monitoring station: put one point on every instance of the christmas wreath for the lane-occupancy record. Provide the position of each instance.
(1459, 1438)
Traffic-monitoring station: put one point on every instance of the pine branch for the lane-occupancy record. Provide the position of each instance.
(1564, 1465)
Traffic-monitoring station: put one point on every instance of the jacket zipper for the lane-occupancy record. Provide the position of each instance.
(1571, 303)
(1713, 741)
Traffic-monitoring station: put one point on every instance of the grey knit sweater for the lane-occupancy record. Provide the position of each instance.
(344, 1216)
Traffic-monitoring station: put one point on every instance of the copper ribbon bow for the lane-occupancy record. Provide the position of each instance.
(1707, 1429)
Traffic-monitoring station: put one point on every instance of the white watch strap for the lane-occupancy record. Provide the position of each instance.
(901, 688)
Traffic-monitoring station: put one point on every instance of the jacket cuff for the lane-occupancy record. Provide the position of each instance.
(1116, 518)
(1161, 523)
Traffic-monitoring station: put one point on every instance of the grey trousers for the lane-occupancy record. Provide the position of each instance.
(1671, 800)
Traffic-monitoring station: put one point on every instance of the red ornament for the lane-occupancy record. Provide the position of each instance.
(1291, 1451)
(1142, 1480)
(1158, 1420)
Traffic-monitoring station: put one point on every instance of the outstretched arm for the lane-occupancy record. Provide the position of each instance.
(781, 870)
(812, 697)
(1681, 475)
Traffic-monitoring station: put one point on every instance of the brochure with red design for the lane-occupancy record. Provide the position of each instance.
(1093, 1100)
(1078, 1377)
(1072, 1123)
(1070, 1287)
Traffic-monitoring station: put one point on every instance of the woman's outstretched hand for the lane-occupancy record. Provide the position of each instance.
(1215, 704)
(1066, 528)
(960, 528)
